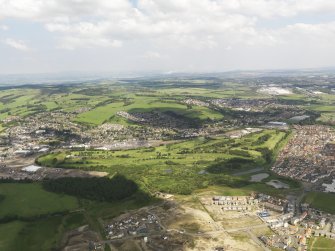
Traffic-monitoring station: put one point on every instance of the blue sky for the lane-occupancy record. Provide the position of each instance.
(165, 35)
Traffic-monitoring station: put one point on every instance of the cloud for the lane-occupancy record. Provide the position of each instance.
(199, 24)
(4, 27)
(71, 43)
(16, 44)
(185, 30)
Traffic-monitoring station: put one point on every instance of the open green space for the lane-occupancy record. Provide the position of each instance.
(34, 219)
(180, 167)
(30, 200)
(138, 104)
(322, 201)
(42, 234)
(321, 244)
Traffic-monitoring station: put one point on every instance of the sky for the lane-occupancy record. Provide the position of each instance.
(51, 36)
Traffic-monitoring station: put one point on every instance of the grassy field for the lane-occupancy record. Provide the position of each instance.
(108, 112)
(28, 200)
(37, 231)
(29, 217)
(180, 167)
(321, 244)
(43, 234)
(321, 201)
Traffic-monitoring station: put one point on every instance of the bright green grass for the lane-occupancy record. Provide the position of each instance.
(101, 114)
(29, 200)
(321, 201)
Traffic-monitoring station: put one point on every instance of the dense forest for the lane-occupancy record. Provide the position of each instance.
(102, 189)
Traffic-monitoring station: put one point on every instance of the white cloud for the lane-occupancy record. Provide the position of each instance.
(4, 27)
(200, 23)
(184, 29)
(71, 42)
(16, 44)
(152, 55)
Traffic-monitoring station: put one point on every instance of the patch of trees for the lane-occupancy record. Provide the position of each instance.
(229, 165)
(262, 139)
(10, 180)
(267, 154)
(101, 189)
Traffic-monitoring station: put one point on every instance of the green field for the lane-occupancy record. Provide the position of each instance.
(180, 167)
(42, 234)
(321, 201)
(29, 200)
(28, 217)
(320, 244)
(108, 112)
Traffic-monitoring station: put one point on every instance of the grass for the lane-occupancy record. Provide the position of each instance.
(321, 243)
(321, 201)
(30, 200)
(39, 224)
(108, 112)
(37, 231)
(42, 234)
(8, 233)
(176, 168)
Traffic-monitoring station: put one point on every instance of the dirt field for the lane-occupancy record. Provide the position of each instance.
(187, 225)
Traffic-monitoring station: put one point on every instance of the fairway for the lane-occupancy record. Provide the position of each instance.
(30, 200)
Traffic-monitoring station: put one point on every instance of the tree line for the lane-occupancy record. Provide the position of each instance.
(101, 189)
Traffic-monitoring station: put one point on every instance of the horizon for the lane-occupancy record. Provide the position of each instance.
(77, 77)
